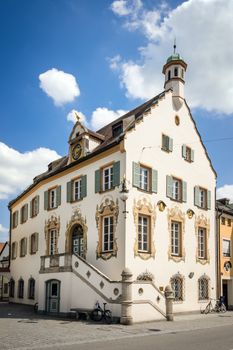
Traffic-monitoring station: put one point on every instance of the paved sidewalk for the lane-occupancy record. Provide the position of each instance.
(21, 329)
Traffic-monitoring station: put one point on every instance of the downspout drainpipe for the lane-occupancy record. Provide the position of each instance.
(218, 216)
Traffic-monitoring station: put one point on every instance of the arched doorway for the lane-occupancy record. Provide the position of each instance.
(77, 241)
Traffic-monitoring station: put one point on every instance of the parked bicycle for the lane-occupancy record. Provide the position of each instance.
(99, 314)
(219, 306)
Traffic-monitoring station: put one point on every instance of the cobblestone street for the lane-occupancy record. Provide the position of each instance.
(21, 329)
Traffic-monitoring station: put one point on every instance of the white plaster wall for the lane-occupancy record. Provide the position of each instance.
(29, 265)
(148, 133)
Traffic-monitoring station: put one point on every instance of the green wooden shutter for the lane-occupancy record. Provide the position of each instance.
(170, 144)
(38, 204)
(58, 195)
(16, 218)
(97, 181)
(184, 191)
(169, 186)
(116, 174)
(26, 212)
(196, 196)
(36, 241)
(69, 192)
(208, 199)
(31, 209)
(30, 244)
(25, 242)
(184, 151)
(192, 155)
(46, 200)
(136, 174)
(21, 216)
(154, 182)
(83, 186)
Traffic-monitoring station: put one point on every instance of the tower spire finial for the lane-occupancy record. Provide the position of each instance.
(174, 46)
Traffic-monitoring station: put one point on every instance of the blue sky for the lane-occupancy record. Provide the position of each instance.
(109, 55)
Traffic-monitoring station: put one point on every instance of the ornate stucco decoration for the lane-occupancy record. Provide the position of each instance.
(190, 213)
(107, 208)
(144, 207)
(202, 221)
(161, 205)
(175, 214)
(53, 223)
(76, 219)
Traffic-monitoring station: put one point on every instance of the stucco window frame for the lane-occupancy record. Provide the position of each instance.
(202, 222)
(107, 208)
(175, 214)
(53, 223)
(143, 207)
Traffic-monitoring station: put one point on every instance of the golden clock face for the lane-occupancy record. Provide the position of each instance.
(76, 151)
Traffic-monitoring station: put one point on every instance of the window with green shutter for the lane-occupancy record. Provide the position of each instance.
(107, 178)
(24, 214)
(188, 153)
(145, 178)
(176, 189)
(34, 206)
(167, 143)
(15, 219)
(202, 197)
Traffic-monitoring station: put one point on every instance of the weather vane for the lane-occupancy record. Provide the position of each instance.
(174, 46)
(77, 116)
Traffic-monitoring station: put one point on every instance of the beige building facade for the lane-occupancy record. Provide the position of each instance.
(129, 211)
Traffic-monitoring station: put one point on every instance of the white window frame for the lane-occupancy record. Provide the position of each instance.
(108, 233)
(176, 189)
(52, 241)
(143, 233)
(203, 197)
(107, 178)
(176, 238)
(202, 243)
(76, 189)
(144, 178)
(53, 198)
(226, 252)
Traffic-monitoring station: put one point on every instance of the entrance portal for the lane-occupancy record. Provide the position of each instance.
(53, 296)
(77, 241)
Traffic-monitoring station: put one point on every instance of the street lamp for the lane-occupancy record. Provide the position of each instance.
(124, 195)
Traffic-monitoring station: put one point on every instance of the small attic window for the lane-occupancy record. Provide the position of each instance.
(117, 129)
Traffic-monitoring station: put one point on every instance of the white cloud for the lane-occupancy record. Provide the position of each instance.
(3, 229)
(100, 117)
(103, 116)
(60, 86)
(71, 116)
(18, 169)
(203, 29)
(126, 7)
(225, 191)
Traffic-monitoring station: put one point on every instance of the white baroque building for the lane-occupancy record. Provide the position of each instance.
(136, 196)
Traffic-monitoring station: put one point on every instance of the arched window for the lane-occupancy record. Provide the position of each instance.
(203, 288)
(21, 288)
(11, 288)
(31, 288)
(176, 72)
(177, 285)
(169, 75)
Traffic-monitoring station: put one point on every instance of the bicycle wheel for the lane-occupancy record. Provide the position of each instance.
(223, 308)
(207, 309)
(96, 315)
(108, 316)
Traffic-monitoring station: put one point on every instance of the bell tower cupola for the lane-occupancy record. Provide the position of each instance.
(174, 71)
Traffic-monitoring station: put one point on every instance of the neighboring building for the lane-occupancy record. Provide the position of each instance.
(4, 271)
(225, 259)
(75, 229)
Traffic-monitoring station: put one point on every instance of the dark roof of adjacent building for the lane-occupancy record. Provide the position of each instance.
(223, 205)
